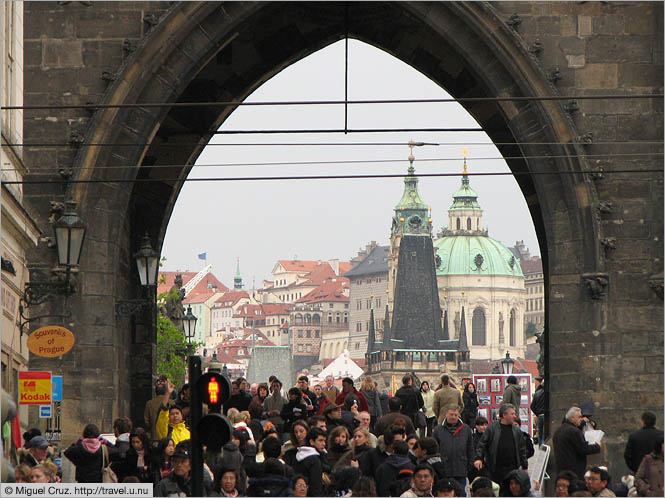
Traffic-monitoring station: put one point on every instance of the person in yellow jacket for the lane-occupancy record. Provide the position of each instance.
(171, 419)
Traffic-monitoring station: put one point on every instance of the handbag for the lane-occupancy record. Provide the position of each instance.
(421, 420)
(108, 476)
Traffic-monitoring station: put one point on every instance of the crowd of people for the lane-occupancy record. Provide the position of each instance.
(325, 441)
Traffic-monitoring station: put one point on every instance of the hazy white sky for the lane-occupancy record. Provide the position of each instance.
(263, 221)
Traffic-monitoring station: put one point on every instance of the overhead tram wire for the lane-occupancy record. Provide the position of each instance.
(323, 177)
(319, 144)
(46, 171)
(333, 102)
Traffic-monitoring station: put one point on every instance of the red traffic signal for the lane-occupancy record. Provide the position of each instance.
(213, 389)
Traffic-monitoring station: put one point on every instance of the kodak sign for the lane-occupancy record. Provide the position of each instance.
(34, 388)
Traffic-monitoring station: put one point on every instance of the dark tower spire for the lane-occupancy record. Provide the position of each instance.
(386, 345)
(446, 334)
(463, 346)
(371, 339)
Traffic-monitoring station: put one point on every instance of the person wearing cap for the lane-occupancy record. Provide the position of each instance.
(348, 388)
(333, 415)
(177, 482)
(421, 482)
(538, 408)
(171, 420)
(37, 452)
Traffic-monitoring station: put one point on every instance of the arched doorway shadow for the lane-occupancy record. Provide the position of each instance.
(222, 52)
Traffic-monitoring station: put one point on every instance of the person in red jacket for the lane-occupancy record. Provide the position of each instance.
(348, 388)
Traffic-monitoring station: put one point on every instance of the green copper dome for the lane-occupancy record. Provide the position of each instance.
(465, 197)
(474, 255)
(411, 212)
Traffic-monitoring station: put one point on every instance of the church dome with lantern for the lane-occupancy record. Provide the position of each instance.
(480, 273)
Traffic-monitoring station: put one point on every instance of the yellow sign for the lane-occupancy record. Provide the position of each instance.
(34, 388)
(51, 341)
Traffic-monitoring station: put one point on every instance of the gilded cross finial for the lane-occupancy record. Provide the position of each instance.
(464, 154)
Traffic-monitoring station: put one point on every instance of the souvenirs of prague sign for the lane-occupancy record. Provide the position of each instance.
(51, 341)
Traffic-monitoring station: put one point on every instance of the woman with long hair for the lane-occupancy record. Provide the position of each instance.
(470, 411)
(359, 444)
(23, 473)
(138, 459)
(162, 462)
(368, 388)
(364, 487)
(338, 444)
(298, 438)
(428, 398)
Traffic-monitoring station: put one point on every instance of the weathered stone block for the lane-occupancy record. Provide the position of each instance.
(59, 54)
(584, 26)
(608, 24)
(576, 61)
(124, 24)
(597, 76)
(616, 49)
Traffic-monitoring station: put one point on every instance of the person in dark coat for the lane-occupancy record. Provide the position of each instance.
(518, 482)
(394, 405)
(409, 395)
(308, 396)
(538, 408)
(239, 399)
(121, 428)
(528, 442)
(641, 442)
(455, 440)
(373, 398)
(138, 460)
(427, 451)
(87, 453)
(295, 409)
(570, 447)
(370, 460)
(310, 461)
(470, 411)
(177, 483)
(649, 475)
(272, 482)
(501, 449)
(389, 470)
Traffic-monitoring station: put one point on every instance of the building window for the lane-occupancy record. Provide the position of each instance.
(513, 328)
(459, 224)
(478, 328)
(468, 223)
(346, 318)
(369, 303)
(316, 318)
(378, 302)
(300, 333)
(359, 281)
(330, 305)
(357, 345)
(359, 304)
(309, 348)
(308, 334)
(317, 333)
(359, 327)
(367, 326)
(300, 348)
(346, 306)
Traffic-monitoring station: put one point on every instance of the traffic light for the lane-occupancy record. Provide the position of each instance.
(213, 430)
(214, 389)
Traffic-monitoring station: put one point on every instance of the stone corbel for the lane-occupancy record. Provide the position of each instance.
(597, 284)
(656, 284)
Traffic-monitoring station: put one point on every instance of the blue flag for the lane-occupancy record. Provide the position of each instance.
(203, 256)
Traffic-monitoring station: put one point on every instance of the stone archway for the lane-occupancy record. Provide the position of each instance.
(222, 52)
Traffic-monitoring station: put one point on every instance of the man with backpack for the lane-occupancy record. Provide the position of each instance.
(538, 408)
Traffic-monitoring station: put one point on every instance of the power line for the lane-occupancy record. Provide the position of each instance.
(325, 177)
(317, 144)
(38, 171)
(332, 102)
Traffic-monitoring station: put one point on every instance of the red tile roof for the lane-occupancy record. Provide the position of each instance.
(329, 291)
(344, 266)
(169, 277)
(231, 298)
(198, 297)
(298, 265)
